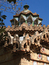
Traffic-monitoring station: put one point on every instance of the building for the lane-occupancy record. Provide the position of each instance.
(27, 42)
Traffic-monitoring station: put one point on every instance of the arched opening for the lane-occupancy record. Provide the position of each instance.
(29, 20)
(35, 40)
(25, 46)
(38, 38)
(22, 20)
(16, 45)
(36, 22)
(47, 35)
(31, 47)
(8, 41)
(15, 22)
(44, 36)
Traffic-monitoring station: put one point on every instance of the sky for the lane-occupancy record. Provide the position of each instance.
(41, 7)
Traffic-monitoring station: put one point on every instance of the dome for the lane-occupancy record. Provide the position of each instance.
(26, 6)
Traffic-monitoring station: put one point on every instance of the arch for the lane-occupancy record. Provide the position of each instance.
(36, 22)
(15, 22)
(29, 20)
(7, 41)
(21, 20)
(17, 45)
(44, 36)
(35, 40)
(31, 46)
(25, 46)
(38, 38)
(47, 35)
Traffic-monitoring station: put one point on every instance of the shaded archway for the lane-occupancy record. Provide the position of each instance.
(29, 20)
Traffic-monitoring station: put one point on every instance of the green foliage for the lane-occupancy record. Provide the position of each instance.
(2, 30)
(1, 33)
(2, 17)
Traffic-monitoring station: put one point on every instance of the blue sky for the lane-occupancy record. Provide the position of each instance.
(41, 7)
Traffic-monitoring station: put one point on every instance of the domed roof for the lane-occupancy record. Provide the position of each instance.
(26, 6)
(26, 11)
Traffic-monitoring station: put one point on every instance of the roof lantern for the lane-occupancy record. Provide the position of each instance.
(26, 6)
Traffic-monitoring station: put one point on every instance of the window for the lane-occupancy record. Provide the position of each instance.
(35, 22)
(44, 36)
(29, 21)
(22, 20)
(34, 63)
(16, 45)
(35, 40)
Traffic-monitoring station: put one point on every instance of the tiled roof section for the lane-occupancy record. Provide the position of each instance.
(26, 27)
(16, 15)
(38, 36)
(40, 24)
(40, 18)
(13, 20)
(35, 13)
(25, 13)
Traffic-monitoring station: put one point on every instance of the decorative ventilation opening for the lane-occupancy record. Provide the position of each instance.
(38, 37)
(44, 36)
(20, 35)
(29, 21)
(35, 40)
(25, 46)
(21, 20)
(16, 45)
(31, 47)
(47, 35)
(29, 35)
(8, 41)
(28, 41)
